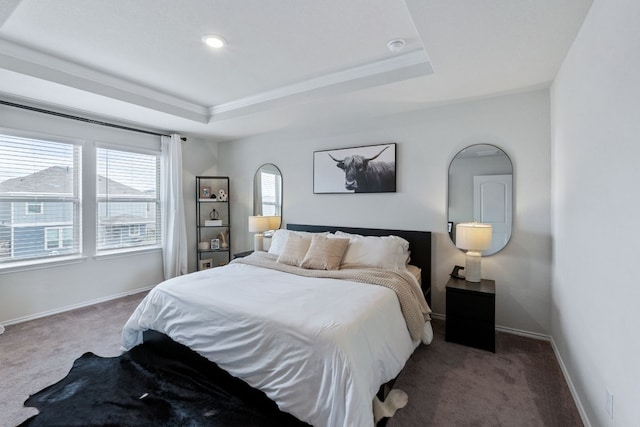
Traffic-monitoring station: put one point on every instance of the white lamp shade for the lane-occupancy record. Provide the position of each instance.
(473, 236)
(274, 222)
(258, 224)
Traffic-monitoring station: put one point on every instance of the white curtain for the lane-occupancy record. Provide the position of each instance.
(174, 228)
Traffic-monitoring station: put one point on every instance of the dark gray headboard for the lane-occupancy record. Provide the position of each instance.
(419, 245)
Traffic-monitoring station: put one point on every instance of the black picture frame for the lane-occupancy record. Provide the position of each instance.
(330, 169)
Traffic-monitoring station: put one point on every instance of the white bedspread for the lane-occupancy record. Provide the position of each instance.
(320, 348)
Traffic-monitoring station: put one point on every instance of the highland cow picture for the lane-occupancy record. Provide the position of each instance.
(367, 169)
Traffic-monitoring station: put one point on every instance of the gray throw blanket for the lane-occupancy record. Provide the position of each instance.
(412, 303)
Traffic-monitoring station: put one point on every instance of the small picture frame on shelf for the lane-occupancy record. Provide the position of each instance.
(215, 244)
(203, 264)
(205, 192)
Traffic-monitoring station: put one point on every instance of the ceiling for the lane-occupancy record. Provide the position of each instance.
(287, 63)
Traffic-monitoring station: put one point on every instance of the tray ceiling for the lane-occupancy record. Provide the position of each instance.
(144, 62)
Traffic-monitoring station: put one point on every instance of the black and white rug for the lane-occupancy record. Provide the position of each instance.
(158, 383)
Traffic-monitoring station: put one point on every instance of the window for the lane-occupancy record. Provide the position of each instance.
(271, 190)
(128, 204)
(39, 198)
(33, 208)
(134, 230)
(58, 237)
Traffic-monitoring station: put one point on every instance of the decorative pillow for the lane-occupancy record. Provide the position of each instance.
(295, 248)
(280, 236)
(324, 253)
(374, 251)
(415, 272)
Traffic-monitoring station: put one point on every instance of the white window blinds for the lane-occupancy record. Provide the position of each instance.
(271, 189)
(39, 198)
(128, 204)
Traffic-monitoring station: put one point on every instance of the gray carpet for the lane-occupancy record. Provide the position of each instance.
(454, 385)
(448, 384)
(41, 352)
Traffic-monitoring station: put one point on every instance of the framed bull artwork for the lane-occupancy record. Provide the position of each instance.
(366, 169)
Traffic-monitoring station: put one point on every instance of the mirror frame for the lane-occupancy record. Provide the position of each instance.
(503, 169)
(256, 178)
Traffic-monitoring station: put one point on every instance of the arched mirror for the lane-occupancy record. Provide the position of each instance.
(267, 191)
(481, 189)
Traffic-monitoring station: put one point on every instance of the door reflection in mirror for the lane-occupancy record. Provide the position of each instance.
(481, 189)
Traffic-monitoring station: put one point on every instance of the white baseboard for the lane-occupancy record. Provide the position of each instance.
(572, 389)
(438, 316)
(75, 306)
(513, 331)
(563, 368)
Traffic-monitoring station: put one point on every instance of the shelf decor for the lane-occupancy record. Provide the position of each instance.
(212, 221)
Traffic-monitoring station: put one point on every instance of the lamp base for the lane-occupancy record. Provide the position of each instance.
(472, 266)
(257, 242)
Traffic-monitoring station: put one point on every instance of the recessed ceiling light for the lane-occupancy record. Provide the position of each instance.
(395, 44)
(214, 41)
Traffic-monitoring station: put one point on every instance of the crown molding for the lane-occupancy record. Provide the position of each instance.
(37, 104)
(388, 70)
(27, 61)
(21, 59)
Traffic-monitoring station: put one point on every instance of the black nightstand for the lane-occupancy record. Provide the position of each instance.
(471, 313)
(242, 254)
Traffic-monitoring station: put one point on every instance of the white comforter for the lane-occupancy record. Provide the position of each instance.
(320, 348)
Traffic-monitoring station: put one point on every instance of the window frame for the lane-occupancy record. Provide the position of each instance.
(134, 227)
(276, 205)
(77, 251)
(106, 251)
(60, 229)
(28, 204)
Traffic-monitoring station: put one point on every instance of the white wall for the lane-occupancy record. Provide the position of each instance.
(198, 158)
(37, 291)
(427, 141)
(596, 206)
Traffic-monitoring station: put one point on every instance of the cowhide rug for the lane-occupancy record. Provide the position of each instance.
(157, 383)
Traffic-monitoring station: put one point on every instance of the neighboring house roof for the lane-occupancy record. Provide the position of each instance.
(115, 187)
(56, 179)
(59, 180)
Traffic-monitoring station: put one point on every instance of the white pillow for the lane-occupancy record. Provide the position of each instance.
(375, 251)
(279, 239)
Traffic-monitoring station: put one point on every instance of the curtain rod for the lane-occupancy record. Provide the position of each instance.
(82, 119)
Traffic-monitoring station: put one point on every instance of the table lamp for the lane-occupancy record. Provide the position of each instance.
(274, 222)
(258, 225)
(474, 238)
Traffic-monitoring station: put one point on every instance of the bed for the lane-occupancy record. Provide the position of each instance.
(320, 342)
